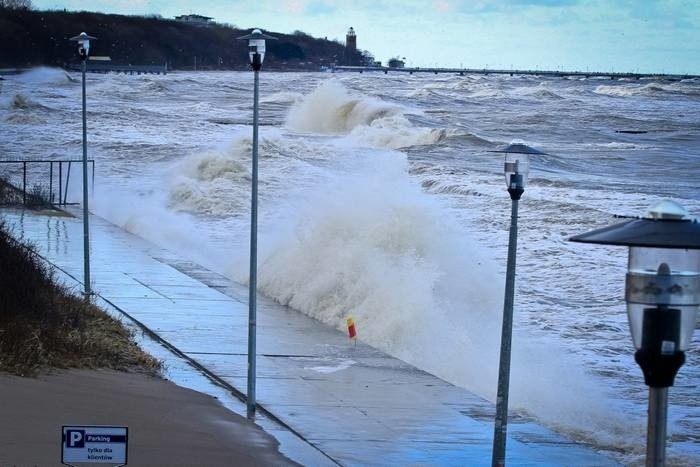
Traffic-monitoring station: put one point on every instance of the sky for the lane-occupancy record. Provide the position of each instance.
(646, 36)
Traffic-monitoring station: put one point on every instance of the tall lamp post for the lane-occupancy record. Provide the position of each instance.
(256, 52)
(516, 169)
(83, 41)
(662, 291)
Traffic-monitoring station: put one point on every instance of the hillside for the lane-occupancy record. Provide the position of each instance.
(31, 38)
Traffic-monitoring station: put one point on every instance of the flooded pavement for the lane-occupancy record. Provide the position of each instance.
(324, 397)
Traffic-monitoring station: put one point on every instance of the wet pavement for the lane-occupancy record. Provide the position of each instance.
(336, 401)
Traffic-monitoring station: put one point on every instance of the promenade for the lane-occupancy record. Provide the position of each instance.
(347, 404)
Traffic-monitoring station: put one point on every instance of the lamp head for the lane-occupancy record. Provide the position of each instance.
(517, 166)
(256, 47)
(83, 41)
(662, 288)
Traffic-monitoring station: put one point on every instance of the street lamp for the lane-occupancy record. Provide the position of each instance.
(256, 52)
(83, 41)
(516, 169)
(662, 293)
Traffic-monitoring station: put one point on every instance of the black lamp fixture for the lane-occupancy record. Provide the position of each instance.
(83, 41)
(662, 294)
(256, 47)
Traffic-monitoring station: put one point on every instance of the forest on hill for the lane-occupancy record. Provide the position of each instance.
(33, 38)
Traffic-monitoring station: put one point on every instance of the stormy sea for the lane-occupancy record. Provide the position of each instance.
(380, 198)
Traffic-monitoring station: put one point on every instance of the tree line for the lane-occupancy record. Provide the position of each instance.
(32, 38)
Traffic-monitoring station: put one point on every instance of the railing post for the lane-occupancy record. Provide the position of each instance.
(51, 182)
(60, 181)
(24, 183)
(65, 194)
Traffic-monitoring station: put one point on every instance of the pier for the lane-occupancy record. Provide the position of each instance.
(126, 69)
(486, 71)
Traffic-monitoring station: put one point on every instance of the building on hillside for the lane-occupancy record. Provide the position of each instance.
(195, 20)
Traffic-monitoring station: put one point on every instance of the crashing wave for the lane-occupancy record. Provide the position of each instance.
(650, 89)
(331, 110)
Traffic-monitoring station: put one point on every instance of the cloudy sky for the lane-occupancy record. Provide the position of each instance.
(606, 35)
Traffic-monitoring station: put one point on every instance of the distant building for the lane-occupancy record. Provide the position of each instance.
(195, 20)
(396, 62)
(351, 40)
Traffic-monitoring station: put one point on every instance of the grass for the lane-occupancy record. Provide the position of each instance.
(37, 196)
(9, 195)
(43, 325)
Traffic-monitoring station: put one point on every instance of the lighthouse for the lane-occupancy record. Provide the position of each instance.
(351, 40)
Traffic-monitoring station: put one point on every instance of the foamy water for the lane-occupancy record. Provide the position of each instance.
(379, 199)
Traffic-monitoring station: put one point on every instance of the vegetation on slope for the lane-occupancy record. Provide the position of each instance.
(31, 38)
(43, 325)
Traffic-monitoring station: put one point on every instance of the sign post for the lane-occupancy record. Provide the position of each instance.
(94, 445)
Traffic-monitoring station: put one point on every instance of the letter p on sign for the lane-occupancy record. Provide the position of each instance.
(76, 438)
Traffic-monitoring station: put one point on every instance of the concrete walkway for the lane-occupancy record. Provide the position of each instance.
(356, 405)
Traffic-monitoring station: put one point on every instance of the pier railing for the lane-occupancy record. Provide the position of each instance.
(489, 71)
(48, 179)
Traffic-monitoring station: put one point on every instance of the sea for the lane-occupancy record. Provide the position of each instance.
(381, 198)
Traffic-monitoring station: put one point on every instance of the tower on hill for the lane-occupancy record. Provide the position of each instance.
(351, 56)
(351, 40)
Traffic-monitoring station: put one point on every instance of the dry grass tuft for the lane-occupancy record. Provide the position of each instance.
(37, 196)
(43, 325)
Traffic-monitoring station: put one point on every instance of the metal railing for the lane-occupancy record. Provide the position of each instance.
(40, 180)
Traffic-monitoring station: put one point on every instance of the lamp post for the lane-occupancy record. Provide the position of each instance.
(516, 169)
(256, 52)
(83, 41)
(662, 291)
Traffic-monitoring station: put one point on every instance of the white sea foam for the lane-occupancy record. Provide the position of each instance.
(330, 109)
(154, 86)
(217, 180)
(396, 132)
(355, 234)
(45, 76)
(148, 216)
(372, 245)
(212, 181)
(539, 92)
(619, 145)
(649, 89)
(282, 98)
(23, 103)
(327, 365)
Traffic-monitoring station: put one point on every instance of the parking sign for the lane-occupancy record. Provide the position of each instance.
(94, 444)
